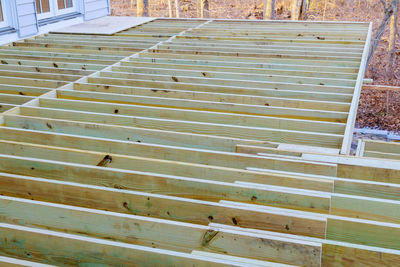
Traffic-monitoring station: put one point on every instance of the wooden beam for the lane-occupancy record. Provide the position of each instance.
(333, 255)
(377, 145)
(179, 54)
(207, 157)
(138, 62)
(55, 248)
(266, 38)
(362, 168)
(14, 99)
(261, 52)
(227, 82)
(140, 179)
(354, 104)
(176, 98)
(366, 208)
(156, 233)
(231, 62)
(201, 111)
(5, 106)
(198, 168)
(14, 262)
(381, 88)
(234, 76)
(363, 232)
(166, 87)
(160, 206)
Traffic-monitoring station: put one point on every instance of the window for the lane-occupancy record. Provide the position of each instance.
(64, 4)
(52, 8)
(42, 6)
(3, 15)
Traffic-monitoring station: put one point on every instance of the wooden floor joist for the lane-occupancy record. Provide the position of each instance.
(193, 142)
(378, 149)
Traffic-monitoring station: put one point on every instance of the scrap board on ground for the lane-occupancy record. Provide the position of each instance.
(192, 143)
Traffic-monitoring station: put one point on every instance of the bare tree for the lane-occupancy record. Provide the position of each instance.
(199, 3)
(303, 10)
(177, 8)
(170, 8)
(202, 8)
(389, 10)
(392, 43)
(207, 5)
(293, 9)
(142, 8)
(393, 29)
(325, 5)
(269, 7)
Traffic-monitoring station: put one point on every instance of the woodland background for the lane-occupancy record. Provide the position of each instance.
(378, 108)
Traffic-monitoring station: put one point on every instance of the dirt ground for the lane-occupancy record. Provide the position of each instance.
(377, 109)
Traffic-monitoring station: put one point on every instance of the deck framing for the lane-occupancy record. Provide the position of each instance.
(205, 142)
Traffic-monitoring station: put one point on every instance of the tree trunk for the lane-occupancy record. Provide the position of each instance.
(177, 8)
(381, 29)
(207, 5)
(142, 8)
(393, 26)
(202, 8)
(392, 43)
(170, 8)
(269, 7)
(198, 8)
(303, 10)
(293, 9)
(325, 5)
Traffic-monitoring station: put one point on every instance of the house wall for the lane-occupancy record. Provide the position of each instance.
(96, 8)
(25, 16)
(22, 14)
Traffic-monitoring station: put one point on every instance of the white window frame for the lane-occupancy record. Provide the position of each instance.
(66, 10)
(5, 22)
(47, 14)
(54, 11)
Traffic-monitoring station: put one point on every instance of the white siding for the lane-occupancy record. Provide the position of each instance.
(96, 8)
(26, 18)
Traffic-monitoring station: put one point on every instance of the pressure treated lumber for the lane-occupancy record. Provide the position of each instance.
(175, 98)
(192, 142)
(337, 234)
(193, 155)
(197, 168)
(56, 248)
(161, 206)
(158, 233)
(354, 103)
(8, 261)
(136, 179)
(286, 96)
(378, 149)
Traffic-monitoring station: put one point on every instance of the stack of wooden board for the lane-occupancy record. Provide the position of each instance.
(218, 145)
